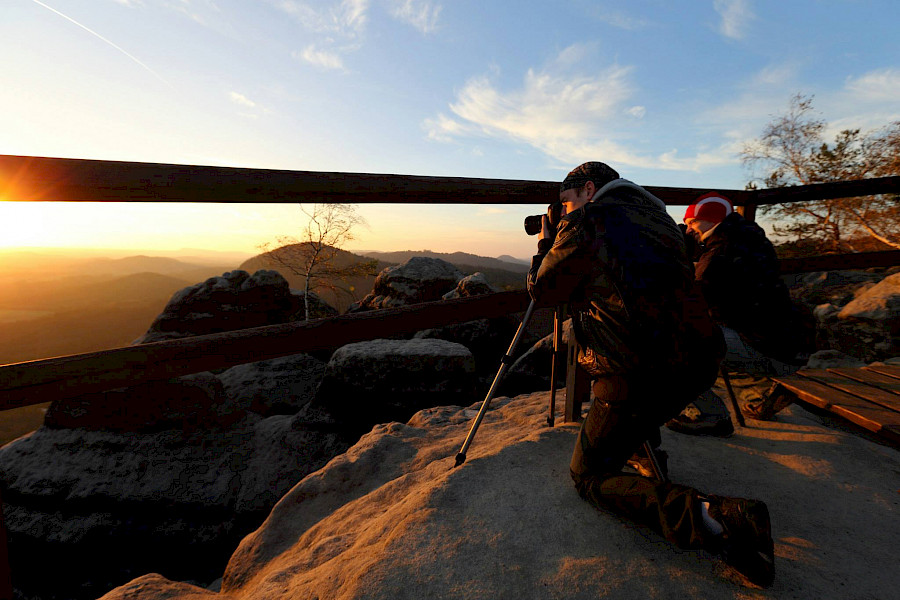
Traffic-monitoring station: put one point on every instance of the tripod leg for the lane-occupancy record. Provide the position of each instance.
(557, 342)
(504, 366)
(657, 470)
(734, 402)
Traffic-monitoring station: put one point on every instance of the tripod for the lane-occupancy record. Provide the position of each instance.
(506, 361)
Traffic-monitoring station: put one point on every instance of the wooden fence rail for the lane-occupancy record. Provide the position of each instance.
(38, 381)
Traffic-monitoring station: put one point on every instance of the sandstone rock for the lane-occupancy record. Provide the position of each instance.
(318, 308)
(831, 359)
(420, 279)
(385, 380)
(868, 326)
(834, 287)
(475, 284)
(394, 518)
(99, 508)
(277, 386)
(188, 403)
(236, 300)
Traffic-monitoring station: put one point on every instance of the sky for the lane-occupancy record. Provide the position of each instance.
(666, 92)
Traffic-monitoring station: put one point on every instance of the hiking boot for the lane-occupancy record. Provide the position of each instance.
(718, 427)
(746, 544)
(760, 410)
(641, 463)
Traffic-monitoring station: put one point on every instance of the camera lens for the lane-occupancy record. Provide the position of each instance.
(533, 224)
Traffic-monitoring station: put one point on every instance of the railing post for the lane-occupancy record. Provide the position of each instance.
(578, 384)
(6, 592)
(748, 211)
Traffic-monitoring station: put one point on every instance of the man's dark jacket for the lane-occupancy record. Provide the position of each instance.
(621, 265)
(738, 272)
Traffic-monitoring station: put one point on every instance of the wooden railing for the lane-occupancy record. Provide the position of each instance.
(28, 178)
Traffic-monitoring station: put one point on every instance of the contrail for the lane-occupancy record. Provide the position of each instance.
(95, 34)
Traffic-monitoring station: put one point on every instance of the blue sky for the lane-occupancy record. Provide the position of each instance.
(665, 92)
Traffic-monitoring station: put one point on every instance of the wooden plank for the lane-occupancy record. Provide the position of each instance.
(870, 377)
(828, 191)
(33, 382)
(851, 386)
(874, 418)
(889, 370)
(35, 179)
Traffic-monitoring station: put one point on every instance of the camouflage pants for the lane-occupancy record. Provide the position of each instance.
(609, 435)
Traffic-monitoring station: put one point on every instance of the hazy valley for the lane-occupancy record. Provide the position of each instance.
(54, 304)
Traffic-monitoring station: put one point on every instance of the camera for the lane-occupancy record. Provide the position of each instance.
(534, 223)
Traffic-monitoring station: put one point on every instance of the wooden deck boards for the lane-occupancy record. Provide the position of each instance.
(866, 396)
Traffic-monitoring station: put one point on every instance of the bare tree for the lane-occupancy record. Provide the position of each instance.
(314, 255)
(792, 151)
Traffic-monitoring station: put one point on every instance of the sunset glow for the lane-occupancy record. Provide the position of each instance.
(667, 94)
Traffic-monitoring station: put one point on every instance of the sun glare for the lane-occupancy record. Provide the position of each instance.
(24, 224)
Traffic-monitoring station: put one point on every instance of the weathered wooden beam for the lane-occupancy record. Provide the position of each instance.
(33, 382)
(34, 179)
(837, 262)
(828, 191)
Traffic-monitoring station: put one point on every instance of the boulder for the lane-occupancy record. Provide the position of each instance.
(89, 510)
(831, 359)
(867, 326)
(381, 380)
(830, 287)
(486, 339)
(318, 308)
(277, 386)
(236, 300)
(420, 279)
(475, 284)
(188, 403)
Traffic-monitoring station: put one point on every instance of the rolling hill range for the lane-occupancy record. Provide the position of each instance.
(502, 274)
(505, 263)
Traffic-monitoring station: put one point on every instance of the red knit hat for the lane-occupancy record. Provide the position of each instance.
(712, 207)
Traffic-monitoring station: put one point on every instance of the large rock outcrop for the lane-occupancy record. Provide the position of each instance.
(868, 325)
(393, 518)
(385, 380)
(236, 300)
(276, 386)
(420, 279)
(98, 507)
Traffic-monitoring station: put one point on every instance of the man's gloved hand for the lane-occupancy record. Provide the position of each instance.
(550, 221)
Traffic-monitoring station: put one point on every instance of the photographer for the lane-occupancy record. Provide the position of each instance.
(618, 259)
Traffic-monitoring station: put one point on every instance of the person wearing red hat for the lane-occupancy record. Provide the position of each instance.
(738, 271)
(647, 339)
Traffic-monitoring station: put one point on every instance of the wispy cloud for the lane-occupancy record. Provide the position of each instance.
(569, 117)
(421, 14)
(338, 27)
(605, 13)
(735, 17)
(876, 86)
(241, 99)
(323, 59)
(346, 18)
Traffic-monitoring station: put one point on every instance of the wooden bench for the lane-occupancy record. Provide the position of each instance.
(867, 396)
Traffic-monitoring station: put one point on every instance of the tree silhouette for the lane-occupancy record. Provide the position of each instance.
(313, 256)
(791, 151)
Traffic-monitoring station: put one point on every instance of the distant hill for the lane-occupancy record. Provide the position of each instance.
(502, 274)
(456, 258)
(358, 286)
(514, 260)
